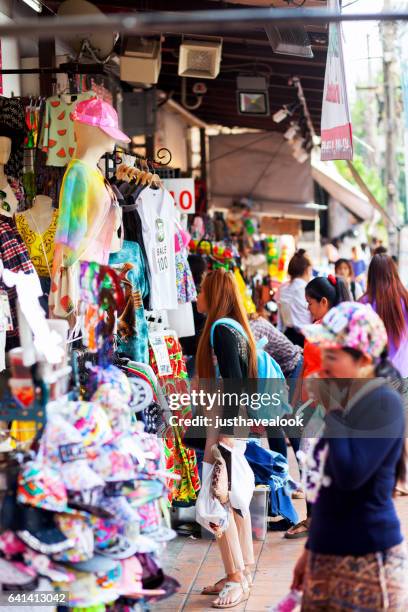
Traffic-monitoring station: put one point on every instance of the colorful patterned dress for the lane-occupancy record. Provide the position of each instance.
(179, 459)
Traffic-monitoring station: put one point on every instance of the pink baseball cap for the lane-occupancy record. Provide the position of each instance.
(100, 114)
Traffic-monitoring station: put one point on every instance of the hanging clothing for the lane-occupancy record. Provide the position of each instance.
(86, 221)
(58, 138)
(41, 247)
(179, 459)
(186, 289)
(86, 224)
(13, 126)
(16, 187)
(14, 256)
(272, 469)
(134, 343)
(48, 179)
(132, 227)
(158, 214)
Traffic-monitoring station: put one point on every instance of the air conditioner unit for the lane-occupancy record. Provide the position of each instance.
(200, 59)
(289, 41)
(141, 61)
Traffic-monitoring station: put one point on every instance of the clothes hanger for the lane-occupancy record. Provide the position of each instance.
(120, 171)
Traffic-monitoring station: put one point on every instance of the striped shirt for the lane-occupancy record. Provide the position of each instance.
(279, 347)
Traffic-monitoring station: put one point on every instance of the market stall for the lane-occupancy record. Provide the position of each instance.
(98, 287)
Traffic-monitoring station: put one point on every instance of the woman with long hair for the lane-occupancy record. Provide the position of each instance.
(293, 310)
(355, 558)
(322, 294)
(236, 360)
(389, 298)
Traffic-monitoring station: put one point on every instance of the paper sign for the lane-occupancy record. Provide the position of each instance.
(182, 190)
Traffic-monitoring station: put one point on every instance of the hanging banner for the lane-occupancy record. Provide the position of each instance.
(183, 192)
(336, 131)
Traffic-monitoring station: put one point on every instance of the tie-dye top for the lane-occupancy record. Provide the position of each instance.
(87, 215)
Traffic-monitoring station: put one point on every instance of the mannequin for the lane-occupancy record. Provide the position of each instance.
(88, 208)
(5, 152)
(39, 216)
(92, 143)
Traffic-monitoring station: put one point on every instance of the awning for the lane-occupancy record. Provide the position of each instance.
(260, 167)
(328, 177)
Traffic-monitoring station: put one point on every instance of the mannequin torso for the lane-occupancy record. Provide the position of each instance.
(39, 216)
(92, 144)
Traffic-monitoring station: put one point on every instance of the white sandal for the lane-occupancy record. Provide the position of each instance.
(230, 586)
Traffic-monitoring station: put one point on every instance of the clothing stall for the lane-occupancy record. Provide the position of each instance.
(96, 293)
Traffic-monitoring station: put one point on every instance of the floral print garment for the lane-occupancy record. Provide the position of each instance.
(179, 460)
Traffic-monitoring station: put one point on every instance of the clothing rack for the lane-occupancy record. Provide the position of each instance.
(114, 160)
(68, 68)
(162, 154)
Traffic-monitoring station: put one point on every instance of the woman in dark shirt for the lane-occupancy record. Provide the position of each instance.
(355, 557)
(236, 360)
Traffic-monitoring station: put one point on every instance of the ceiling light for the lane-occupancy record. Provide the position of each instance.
(297, 143)
(286, 40)
(286, 111)
(252, 95)
(34, 4)
(314, 206)
(301, 156)
(200, 59)
(280, 115)
(291, 132)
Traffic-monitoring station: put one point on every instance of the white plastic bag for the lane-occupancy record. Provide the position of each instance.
(242, 478)
(210, 513)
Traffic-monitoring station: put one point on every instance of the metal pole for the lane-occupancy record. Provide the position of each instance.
(389, 36)
(199, 22)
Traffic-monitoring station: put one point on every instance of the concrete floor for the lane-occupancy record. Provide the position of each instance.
(196, 563)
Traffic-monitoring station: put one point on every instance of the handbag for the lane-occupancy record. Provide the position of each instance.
(219, 477)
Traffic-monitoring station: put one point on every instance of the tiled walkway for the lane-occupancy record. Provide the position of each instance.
(196, 563)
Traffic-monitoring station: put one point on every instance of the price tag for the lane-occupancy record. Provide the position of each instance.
(5, 312)
(158, 344)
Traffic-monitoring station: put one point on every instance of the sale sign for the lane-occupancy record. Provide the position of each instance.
(183, 192)
(336, 131)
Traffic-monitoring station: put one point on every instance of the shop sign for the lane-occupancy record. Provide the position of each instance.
(182, 191)
(280, 227)
(336, 130)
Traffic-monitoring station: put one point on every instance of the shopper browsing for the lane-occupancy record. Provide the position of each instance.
(344, 269)
(293, 309)
(290, 358)
(236, 359)
(322, 294)
(389, 298)
(355, 557)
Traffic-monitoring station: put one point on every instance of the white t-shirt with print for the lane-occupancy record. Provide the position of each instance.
(158, 213)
